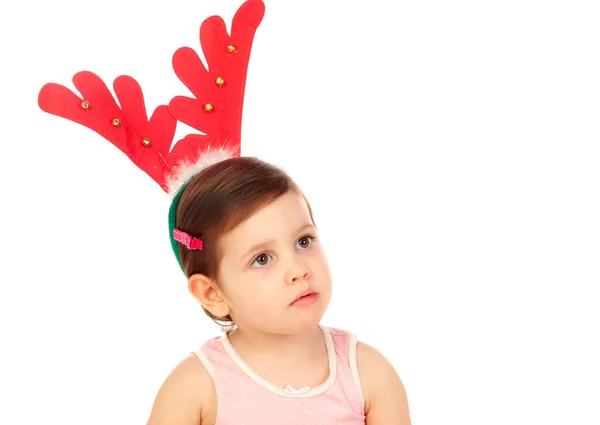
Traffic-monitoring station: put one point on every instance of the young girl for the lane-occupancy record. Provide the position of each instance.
(243, 234)
(262, 271)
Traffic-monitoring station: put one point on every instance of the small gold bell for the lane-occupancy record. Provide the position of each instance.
(146, 141)
(116, 122)
(208, 107)
(220, 81)
(86, 104)
(231, 48)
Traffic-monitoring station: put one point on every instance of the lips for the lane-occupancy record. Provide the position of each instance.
(308, 293)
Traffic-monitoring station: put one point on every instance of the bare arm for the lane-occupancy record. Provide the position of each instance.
(386, 402)
(186, 397)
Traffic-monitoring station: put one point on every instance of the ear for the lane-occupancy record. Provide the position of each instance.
(208, 294)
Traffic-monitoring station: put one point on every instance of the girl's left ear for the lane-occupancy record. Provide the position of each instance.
(207, 293)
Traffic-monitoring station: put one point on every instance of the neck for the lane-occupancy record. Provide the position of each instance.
(296, 346)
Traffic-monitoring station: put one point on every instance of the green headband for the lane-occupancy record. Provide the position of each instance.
(172, 219)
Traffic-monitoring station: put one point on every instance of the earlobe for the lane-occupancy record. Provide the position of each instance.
(208, 294)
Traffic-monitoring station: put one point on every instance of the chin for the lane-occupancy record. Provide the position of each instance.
(308, 318)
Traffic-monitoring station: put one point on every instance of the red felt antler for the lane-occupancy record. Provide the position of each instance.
(216, 109)
(145, 142)
(219, 91)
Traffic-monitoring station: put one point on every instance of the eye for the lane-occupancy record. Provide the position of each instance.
(305, 242)
(261, 260)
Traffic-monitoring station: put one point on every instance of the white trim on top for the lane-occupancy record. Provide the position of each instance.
(206, 363)
(354, 365)
(280, 390)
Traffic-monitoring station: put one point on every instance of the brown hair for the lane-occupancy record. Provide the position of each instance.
(217, 200)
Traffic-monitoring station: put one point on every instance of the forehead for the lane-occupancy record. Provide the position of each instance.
(277, 219)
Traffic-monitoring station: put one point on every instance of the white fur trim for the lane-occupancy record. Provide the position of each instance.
(186, 171)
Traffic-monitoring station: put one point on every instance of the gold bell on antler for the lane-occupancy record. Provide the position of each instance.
(208, 107)
(231, 48)
(146, 141)
(220, 81)
(116, 122)
(86, 104)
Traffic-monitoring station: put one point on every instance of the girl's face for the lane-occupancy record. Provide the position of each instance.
(268, 262)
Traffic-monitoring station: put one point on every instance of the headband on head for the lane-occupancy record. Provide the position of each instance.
(215, 110)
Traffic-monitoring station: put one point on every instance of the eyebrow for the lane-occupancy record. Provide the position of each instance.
(264, 244)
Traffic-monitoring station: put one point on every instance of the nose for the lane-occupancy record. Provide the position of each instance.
(298, 271)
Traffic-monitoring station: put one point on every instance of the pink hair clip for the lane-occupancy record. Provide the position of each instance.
(189, 241)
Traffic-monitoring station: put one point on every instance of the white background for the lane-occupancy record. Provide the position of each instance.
(451, 154)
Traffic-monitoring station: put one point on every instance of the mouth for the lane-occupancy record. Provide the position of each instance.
(307, 297)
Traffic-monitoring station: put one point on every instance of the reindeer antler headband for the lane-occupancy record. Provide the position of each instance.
(215, 110)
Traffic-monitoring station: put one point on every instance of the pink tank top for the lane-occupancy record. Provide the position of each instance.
(244, 397)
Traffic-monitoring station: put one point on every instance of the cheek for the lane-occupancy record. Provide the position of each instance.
(253, 291)
(320, 262)
(257, 302)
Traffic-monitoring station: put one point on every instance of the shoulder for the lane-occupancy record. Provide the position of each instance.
(186, 397)
(384, 392)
